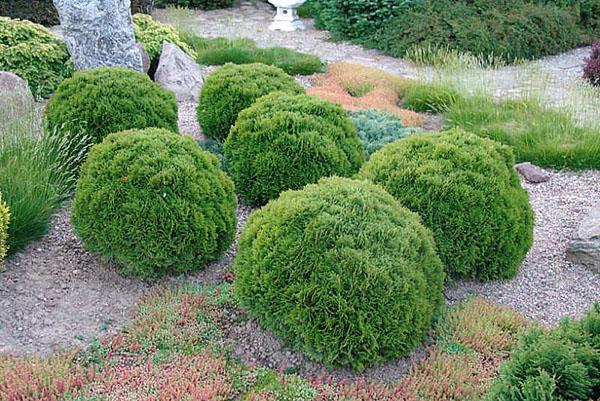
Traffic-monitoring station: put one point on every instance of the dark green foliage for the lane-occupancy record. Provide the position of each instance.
(142, 6)
(562, 365)
(467, 192)
(342, 271)
(154, 202)
(377, 128)
(33, 53)
(151, 34)
(201, 4)
(286, 141)
(38, 11)
(218, 51)
(106, 100)
(232, 88)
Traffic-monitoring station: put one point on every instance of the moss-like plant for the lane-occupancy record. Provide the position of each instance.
(4, 217)
(106, 100)
(232, 88)
(154, 202)
(467, 192)
(151, 34)
(287, 141)
(341, 270)
(35, 54)
(377, 128)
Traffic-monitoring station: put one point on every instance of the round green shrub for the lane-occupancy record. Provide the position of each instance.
(151, 34)
(35, 54)
(466, 191)
(106, 100)
(377, 128)
(286, 141)
(154, 202)
(4, 217)
(232, 88)
(342, 271)
(561, 365)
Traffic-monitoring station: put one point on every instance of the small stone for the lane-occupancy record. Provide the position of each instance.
(532, 173)
(179, 73)
(584, 247)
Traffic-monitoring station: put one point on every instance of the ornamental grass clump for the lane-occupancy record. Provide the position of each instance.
(466, 191)
(342, 271)
(232, 88)
(35, 54)
(154, 202)
(110, 99)
(287, 141)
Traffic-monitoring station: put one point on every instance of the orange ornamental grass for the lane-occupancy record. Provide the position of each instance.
(356, 87)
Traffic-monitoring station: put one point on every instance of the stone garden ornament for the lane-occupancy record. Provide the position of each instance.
(286, 18)
(99, 33)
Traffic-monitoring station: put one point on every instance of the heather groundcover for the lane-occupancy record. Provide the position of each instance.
(176, 348)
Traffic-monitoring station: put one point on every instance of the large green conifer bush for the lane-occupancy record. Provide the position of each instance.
(341, 270)
(287, 141)
(110, 99)
(154, 202)
(232, 88)
(467, 192)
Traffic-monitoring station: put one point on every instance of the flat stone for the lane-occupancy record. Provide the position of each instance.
(584, 247)
(99, 33)
(179, 73)
(16, 95)
(533, 173)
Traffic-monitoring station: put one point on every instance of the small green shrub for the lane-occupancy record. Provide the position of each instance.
(33, 53)
(377, 128)
(342, 271)
(232, 88)
(562, 365)
(105, 100)
(154, 202)
(218, 51)
(38, 11)
(201, 4)
(151, 34)
(4, 220)
(467, 192)
(286, 141)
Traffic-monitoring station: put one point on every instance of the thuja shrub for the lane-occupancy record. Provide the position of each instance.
(591, 70)
(287, 141)
(151, 34)
(377, 128)
(4, 217)
(467, 192)
(232, 88)
(33, 53)
(342, 271)
(154, 202)
(562, 365)
(110, 99)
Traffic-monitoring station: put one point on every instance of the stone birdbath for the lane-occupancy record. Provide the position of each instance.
(286, 18)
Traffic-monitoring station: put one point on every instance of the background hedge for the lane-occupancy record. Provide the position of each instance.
(154, 202)
(38, 11)
(35, 54)
(342, 271)
(286, 141)
(467, 192)
(110, 99)
(232, 88)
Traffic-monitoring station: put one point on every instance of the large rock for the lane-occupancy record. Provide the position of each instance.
(99, 33)
(584, 248)
(179, 73)
(17, 99)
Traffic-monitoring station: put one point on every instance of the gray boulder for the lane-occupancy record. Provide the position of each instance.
(99, 33)
(532, 173)
(145, 58)
(179, 73)
(584, 248)
(16, 99)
